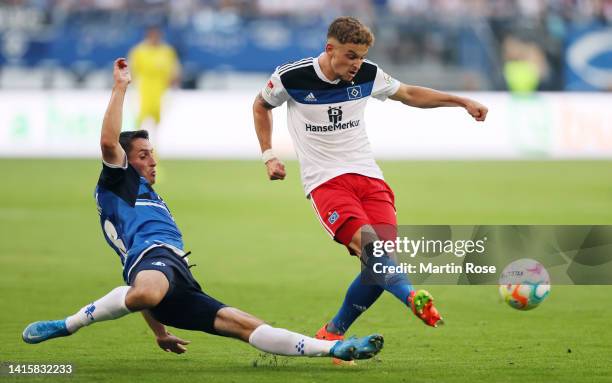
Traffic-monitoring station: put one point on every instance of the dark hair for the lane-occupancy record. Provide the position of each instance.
(348, 29)
(126, 138)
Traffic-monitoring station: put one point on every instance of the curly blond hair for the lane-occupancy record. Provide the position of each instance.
(348, 29)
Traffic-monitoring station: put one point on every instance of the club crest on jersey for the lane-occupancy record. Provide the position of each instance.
(333, 217)
(334, 114)
(310, 98)
(354, 92)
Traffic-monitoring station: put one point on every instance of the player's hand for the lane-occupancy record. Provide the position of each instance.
(476, 110)
(276, 169)
(171, 343)
(121, 73)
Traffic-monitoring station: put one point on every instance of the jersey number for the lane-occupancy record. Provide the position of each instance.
(111, 233)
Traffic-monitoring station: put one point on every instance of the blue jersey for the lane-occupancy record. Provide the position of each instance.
(134, 218)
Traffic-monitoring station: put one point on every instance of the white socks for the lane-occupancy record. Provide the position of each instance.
(284, 342)
(110, 306)
(265, 338)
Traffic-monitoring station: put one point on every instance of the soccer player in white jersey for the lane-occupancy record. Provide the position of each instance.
(137, 224)
(326, 97)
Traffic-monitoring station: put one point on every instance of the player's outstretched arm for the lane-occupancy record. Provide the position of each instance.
(112, 153)
(421, 97)
(262, 117)
(165, 340)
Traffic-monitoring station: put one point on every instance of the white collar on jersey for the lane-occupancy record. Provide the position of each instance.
(317, 68)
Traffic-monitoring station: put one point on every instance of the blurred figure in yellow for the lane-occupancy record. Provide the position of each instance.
(155, 68)
(525, 66)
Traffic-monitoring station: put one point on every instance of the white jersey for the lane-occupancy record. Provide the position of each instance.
(325, 118)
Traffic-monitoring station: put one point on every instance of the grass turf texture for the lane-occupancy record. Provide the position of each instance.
(259, 247)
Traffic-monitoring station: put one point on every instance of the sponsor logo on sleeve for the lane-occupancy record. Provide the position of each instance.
(269, 88)
(387, 78)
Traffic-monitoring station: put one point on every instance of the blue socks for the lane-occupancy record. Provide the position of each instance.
(396, 283)
(359, 297)
(366, 289)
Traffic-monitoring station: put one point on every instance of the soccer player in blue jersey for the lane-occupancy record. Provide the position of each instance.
(138, 225)
(326, 98)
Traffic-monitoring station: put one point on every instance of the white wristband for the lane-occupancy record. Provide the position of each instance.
(268, 155)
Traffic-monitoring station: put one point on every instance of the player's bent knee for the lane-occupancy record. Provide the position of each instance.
(362, 239)
(148, 290)
(140, 299)
(366, 234)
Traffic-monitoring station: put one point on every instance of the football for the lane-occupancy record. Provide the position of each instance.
(524, 284)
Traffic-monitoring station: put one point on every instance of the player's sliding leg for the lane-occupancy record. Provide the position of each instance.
(187, 306)
(150, 287)
(238, 324)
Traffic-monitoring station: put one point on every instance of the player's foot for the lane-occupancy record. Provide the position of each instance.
(43, 330)
(421, 303)
(326, 335)
(357, 348)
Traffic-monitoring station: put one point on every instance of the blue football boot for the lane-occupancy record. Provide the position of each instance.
(357, 348)
(43, 330)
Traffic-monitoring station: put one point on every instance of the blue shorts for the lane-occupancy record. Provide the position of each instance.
(185, 305)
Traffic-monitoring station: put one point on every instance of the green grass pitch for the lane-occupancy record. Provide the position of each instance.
(258, 246)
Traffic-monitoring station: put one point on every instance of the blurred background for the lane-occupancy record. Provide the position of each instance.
(450, 44)
(544, 67)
